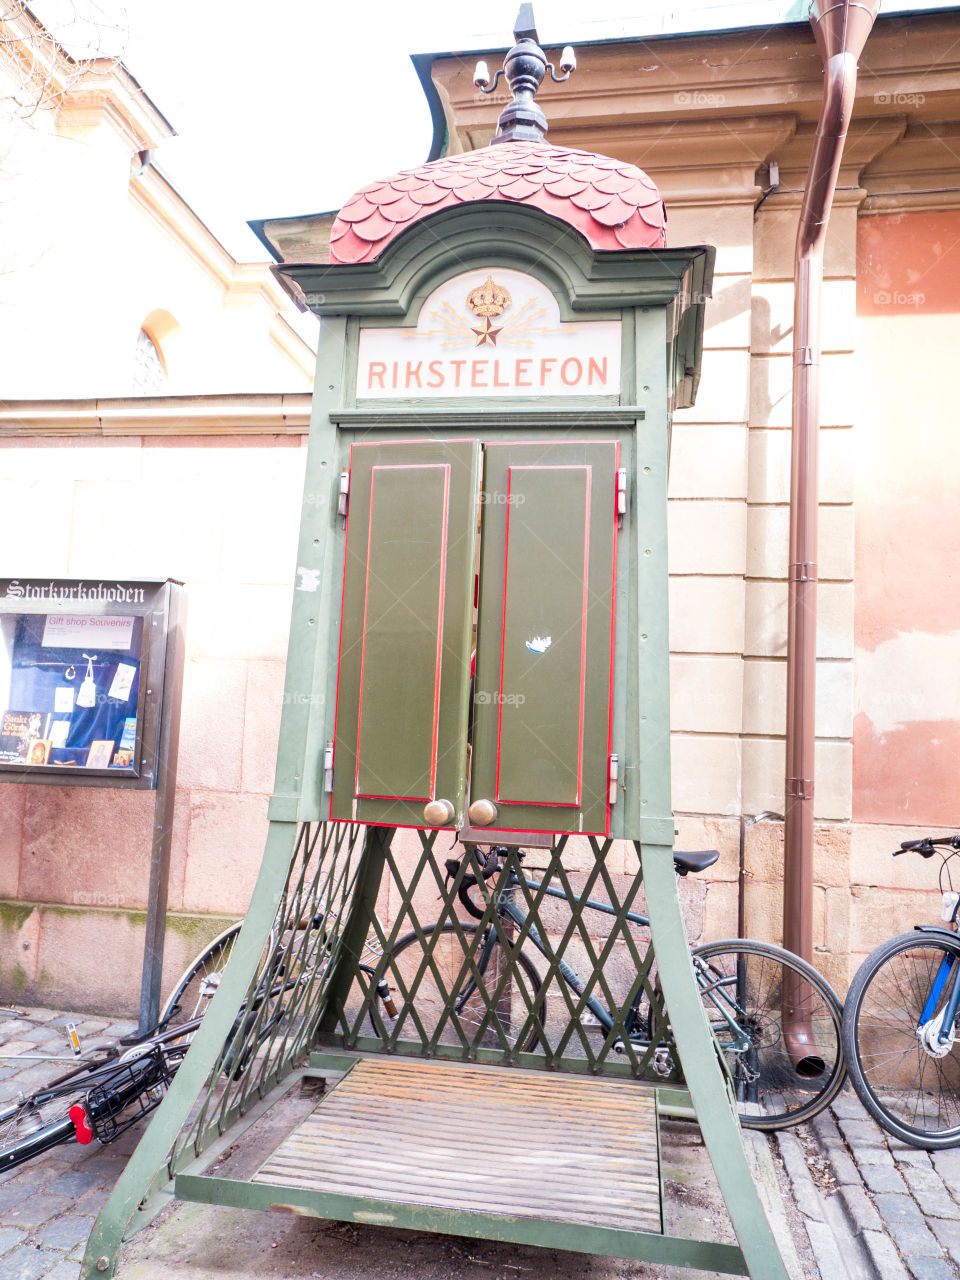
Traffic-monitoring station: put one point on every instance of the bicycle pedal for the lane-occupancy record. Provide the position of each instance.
(662, 1062)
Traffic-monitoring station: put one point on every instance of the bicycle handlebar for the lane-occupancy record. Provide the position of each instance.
(927, 847)
(684, 863)
(488, 867)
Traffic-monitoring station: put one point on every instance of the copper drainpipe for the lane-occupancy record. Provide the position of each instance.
(841, 28)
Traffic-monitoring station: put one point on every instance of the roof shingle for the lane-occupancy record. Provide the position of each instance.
(613, 204)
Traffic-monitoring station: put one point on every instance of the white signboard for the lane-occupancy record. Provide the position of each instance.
(490, 333)
(91, 631)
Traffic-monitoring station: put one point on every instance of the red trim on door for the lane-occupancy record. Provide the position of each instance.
(573, 466)
(441, 601)
(613, 632)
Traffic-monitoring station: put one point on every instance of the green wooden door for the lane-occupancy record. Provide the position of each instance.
(544, 669)
(406, 627)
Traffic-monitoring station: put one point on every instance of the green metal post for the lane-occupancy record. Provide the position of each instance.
(701, 1068)
(152, 1152)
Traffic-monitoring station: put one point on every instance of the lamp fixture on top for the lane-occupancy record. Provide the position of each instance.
(524, 67)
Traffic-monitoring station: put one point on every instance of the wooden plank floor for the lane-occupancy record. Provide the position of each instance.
(490, 1140)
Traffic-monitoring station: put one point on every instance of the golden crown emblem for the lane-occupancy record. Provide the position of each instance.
(489, 299)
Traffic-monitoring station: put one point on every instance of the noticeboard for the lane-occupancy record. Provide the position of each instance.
(85, 678)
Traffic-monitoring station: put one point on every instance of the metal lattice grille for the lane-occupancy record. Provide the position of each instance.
(522, 984)
(277, 1021)
(554, 975)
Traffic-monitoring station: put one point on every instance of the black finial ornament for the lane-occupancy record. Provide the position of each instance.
(525, 67)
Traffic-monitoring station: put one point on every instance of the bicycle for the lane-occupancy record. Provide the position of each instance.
(100, 1098)
(900, 1021)
(781, 1076)
(116, 1085)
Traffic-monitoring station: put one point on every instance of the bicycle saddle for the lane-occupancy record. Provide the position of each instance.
(696, 861)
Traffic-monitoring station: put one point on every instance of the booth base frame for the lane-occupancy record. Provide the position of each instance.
(199, 1117)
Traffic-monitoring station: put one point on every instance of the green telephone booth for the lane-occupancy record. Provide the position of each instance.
(478, 661)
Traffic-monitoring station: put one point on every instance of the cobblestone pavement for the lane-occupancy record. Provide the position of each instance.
(48, 1205)
(873, 1207)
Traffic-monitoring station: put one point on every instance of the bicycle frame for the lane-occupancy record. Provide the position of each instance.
(949, 1015)
(727, 1007)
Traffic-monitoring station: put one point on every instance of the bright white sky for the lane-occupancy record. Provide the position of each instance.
(286, 107)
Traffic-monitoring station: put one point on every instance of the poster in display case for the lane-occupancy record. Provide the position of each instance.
(86, 679)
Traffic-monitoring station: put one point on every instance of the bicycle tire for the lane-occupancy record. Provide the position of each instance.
(781, 1080)
(912, 1093)
(429, 1000)
(35, 1126)
(199, 981)
(24, 1147)
(41, 1121)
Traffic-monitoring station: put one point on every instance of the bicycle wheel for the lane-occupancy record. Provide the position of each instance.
(29, 1130)
(909, 1084)
(783, 1072)
(431, 988)
(42, 1121)
(191, 996)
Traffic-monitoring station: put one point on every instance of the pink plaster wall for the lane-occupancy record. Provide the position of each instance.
(907, 590)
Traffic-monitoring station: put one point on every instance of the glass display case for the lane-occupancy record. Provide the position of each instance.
(82, 678)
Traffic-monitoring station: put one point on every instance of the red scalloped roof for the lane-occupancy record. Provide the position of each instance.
(613, 204)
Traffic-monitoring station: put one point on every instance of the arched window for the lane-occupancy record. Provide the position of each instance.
(149, 373)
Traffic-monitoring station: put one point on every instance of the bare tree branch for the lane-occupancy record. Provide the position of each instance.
(44, 61)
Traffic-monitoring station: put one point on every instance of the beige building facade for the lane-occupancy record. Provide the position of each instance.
(724, 123)
(213, 465)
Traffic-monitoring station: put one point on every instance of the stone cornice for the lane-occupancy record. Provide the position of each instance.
(679, 106)
(631, 82)
(108, 93)
(167, 207)
(213, 415)
(698, 160)
(81, 93)
(165, 204)
(924, 163)
(302, 238)
(866, 139)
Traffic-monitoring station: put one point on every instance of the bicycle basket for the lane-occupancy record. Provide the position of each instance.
(131, 1092)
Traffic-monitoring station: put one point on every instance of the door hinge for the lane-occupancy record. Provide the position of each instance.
(343, 499)
(621, 495)
(614, 778)
(328, 767)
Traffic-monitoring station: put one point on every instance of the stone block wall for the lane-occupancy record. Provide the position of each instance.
(222, 515)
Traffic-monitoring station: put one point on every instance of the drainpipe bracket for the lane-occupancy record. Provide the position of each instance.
(803, 571)
(799, 788)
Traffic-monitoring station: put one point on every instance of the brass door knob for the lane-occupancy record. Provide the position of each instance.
(483, 812)
(437, 813)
